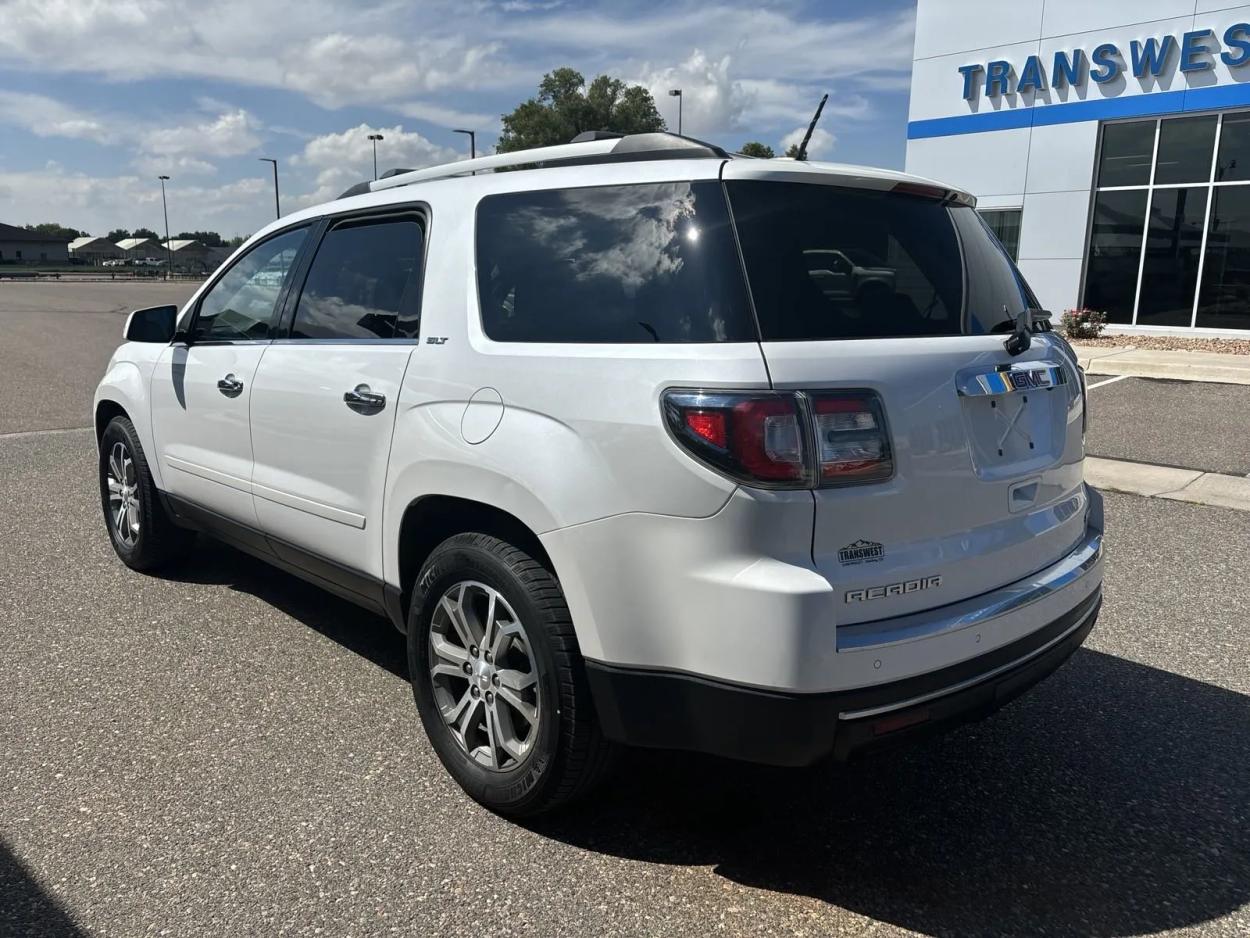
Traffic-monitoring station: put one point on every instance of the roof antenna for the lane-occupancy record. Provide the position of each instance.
(802, 154)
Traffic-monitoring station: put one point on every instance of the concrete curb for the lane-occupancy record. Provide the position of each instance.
(1182, 485)
(1133, 362)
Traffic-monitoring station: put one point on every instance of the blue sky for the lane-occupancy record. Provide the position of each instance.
(98, 98)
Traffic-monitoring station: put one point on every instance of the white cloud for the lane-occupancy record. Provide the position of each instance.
(343, 159)
(821, 144)
(711, 101)
(47, 117)
(232, 133)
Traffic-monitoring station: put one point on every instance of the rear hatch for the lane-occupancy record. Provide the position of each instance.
(984, 447)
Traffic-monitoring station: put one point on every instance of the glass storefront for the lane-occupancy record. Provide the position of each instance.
(1169, 239)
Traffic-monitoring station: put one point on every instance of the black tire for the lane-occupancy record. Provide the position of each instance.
(158, 542)
(570, 754)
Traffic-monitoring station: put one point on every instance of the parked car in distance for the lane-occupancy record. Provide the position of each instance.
(590, 434)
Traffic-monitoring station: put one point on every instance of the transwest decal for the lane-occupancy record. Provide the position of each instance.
(1193, 52)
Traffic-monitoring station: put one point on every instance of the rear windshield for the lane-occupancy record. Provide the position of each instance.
(639, 263)
(831, 263)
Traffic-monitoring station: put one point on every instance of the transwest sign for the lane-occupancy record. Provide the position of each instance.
(1194, 51)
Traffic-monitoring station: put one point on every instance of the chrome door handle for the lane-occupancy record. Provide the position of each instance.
(364, 401)
(230, 386)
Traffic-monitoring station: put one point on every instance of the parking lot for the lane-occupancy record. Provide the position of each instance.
(230, 751)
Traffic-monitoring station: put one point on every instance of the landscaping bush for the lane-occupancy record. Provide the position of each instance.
(1083, 323)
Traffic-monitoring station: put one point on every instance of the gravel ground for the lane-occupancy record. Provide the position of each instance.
(1168, 343)
(230, 751)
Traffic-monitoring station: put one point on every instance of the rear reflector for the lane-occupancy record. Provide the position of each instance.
(784, 439)
(900, 721)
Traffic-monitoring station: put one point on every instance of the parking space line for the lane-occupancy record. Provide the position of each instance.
(18, 434)
(1090, 387)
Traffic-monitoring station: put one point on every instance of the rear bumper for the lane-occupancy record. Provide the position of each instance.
(679, 711)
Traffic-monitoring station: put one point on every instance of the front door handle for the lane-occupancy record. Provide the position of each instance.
(230, 386)
(364, 401)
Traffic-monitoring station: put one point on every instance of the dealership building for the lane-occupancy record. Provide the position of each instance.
(1108, 144)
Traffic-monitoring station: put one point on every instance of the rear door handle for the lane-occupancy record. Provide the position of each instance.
(364, 401)
(230, 386)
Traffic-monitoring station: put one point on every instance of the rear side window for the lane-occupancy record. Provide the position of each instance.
(364, 283)
(634, 264)
(831, 263)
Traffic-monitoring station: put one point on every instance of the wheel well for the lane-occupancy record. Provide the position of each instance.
(105, 412)
(431, 520)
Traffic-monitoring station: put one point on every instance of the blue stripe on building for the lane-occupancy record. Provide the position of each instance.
(1072, 112)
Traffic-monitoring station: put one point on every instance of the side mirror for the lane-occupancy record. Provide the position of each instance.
(154, 324)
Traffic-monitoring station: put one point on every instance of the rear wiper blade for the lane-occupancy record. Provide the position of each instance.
(1021, 328)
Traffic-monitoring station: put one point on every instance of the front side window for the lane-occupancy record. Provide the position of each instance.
(631, 264)
(241, 305)
(364, 282)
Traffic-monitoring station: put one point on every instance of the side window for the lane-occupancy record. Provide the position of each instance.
(364, 283)
(241, 304)
(635, 263)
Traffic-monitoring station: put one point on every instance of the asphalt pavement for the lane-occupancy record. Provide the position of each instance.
(1190, 424)
(230, 751)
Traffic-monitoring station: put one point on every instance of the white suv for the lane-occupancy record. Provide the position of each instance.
(596, 438)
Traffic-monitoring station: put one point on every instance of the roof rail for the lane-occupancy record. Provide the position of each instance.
(589, 147)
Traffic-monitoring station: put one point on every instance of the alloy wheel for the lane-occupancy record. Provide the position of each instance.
(123, 486)
(484, 675)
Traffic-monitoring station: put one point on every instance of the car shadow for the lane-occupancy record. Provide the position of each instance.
(26, 908)
(1114, 799)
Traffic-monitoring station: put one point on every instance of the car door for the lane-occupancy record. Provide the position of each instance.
(202, 387)
(325, 396)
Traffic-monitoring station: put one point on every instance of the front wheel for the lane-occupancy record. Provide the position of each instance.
(499, 680)
(142, 533)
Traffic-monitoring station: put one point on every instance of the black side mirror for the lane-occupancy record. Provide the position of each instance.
(154, 324)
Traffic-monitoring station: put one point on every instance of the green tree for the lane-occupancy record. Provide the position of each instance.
(117, 234)
(53, 230)
(146, 233)
(236, 241)
(757, 149)
(565, 107)
(209, 239)
(792, 151)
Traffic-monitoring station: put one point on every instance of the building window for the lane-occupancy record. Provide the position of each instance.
(1005, 223)
(1169, 238)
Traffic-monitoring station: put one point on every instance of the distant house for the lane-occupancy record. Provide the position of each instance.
(187, 255)
(22, 246)
(136, 248)
(94, 250)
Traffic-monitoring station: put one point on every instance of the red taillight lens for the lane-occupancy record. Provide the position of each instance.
(785, 439)
(755, 436)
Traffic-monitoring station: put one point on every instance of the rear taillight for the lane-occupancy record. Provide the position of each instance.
(784, 439)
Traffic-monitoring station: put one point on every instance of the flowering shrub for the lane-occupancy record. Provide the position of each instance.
(1083, 323)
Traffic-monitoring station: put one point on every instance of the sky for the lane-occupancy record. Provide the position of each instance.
(99, 97)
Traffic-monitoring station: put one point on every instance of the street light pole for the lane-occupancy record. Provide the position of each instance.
(676, 93)
(169, 253)
(277, 206)
(375, 138)
(472, 141)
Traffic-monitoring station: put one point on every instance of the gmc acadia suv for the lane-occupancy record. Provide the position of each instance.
(592, 433)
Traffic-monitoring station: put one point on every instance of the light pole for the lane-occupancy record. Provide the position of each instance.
(375, 138)
(169, 253)
(676, 93)
(277, 207)
(472, 141)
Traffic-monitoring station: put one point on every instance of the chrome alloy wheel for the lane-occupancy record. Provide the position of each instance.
(123, 485)
(484, 675)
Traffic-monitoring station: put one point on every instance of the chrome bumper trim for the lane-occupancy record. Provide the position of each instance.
(979, 609)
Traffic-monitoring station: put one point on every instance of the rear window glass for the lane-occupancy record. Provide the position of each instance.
(631, 264)
(831, 263)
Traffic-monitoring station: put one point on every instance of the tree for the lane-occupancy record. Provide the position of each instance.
(146, 233)
(792, 151)
(236, 241)
(53, 230)
(757, 149)
(117, 234)
(565, 107)
(209, 239)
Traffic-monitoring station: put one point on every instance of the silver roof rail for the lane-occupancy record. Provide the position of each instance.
(632, 147)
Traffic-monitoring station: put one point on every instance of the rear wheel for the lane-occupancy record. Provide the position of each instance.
(141, 532)
(498, 678)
